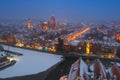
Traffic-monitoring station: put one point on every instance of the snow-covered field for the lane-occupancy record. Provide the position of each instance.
(30, 63)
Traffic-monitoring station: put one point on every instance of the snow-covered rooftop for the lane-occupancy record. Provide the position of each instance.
(74, 42)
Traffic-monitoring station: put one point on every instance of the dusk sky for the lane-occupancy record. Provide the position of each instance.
(69, 10)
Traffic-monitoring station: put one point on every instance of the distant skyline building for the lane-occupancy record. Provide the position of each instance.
(117, 37)
(44, 26)
(52, 23)
(29, 24)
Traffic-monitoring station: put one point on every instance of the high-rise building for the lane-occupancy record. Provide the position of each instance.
(52, 23)
(29, 24)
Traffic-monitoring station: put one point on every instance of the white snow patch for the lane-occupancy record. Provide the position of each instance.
(109, 71)
(118, 64)
(83, 68)
(92, 67)
(31, 62)
(74, 43)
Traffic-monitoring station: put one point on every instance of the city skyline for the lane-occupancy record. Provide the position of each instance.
(59, 40)
(63, 10)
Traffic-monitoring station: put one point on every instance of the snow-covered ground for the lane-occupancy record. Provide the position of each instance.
(30, 63)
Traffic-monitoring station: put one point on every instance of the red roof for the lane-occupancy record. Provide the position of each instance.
(115, 71)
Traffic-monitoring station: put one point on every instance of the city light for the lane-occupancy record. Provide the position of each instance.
(75, 35)
(29, 24)
(88, 46)
(118, 37)
(72, 39)
(10, 58)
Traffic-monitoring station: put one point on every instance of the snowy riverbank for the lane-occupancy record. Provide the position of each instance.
(31, 62)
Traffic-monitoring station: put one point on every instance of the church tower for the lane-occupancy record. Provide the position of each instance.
(52, 23)
(29, 24)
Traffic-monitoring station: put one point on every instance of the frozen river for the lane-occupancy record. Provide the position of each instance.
(31, 62)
